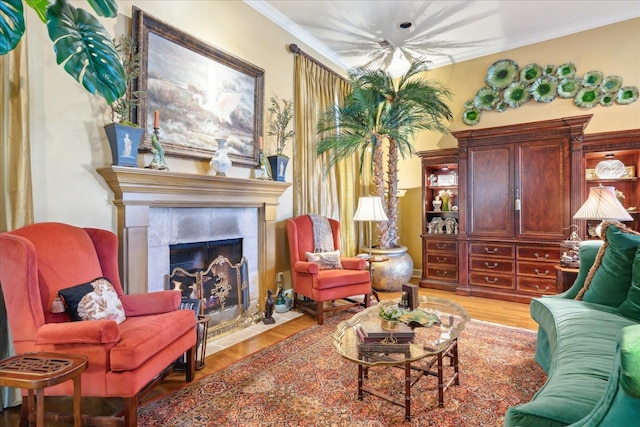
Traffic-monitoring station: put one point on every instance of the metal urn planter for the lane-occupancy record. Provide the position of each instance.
(396, 269)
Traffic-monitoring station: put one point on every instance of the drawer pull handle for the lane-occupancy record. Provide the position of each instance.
(546, 256)
(441, 273)
(546, 272)
(490, 251)
(495, 279)
(495, 265)
(542, 290)
(441, 260)
(441, 245)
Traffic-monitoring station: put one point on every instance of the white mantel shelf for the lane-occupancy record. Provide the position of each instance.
(136, 190)
(155, 188)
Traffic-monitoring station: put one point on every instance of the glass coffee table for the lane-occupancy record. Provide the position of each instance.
(429, 346)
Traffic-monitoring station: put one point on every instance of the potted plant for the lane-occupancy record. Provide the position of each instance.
(281, 116)
(389, 317)
(81, 43)
(383, 112)
(123, 135)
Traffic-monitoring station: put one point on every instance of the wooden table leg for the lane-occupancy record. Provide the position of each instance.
(77, 399)
(407, 391)
(360, 381)
(440, 381)
(40, 407)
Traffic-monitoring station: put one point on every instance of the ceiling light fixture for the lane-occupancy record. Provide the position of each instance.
(405, 25)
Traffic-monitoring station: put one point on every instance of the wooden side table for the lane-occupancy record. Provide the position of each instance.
(35, 371)
(565, 277)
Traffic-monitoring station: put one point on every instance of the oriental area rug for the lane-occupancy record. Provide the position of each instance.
(302, 381)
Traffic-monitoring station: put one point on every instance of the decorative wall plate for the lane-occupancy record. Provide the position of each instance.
(469, 104)
(592, 79)
(566, 70)
(501, 73)
(627, 95)
(471, 117)
(486, 98)
(611, 84)
(607, 99)
(530, 73)
(516, 94)
(550, 70)
(502, 106)
(544, 89)
(567, 88)
(587, 97)
(610, 169)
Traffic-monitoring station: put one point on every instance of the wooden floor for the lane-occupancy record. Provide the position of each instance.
(502, 312)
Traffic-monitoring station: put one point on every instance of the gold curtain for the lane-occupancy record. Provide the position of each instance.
(15, 173)
(333, 193)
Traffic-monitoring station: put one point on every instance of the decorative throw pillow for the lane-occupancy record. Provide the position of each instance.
(96, 300)
(631, 305)
(609, 279)
(325, 260)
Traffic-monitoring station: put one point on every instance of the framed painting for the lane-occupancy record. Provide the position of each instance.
(201, 94)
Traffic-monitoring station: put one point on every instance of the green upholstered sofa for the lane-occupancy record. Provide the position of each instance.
(590, 350)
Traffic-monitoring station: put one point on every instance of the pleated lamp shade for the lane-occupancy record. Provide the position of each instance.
(603, 204)
(370, 209)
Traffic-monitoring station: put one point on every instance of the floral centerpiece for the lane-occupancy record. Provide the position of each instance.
(390, 316)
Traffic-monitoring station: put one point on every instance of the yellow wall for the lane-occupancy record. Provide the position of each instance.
(613, 49)
(68, 142)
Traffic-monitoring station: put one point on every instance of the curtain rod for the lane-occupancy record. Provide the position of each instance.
(293, 48)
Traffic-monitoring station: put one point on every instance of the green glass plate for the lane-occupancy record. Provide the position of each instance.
(587, 97)
(611, 84)
(567, 88)
(592, 79)
(516, 94)
(502, 107)
(501, 73)
(530, 73)
(550, 70)
(471, 117)
(627, 95)
(469, 104)
(486, 98)
(566, 70)
(607, 99)
(544, 89)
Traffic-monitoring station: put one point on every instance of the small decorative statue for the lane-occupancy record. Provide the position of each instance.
(268, 309)
(404, 301)
(158, 161)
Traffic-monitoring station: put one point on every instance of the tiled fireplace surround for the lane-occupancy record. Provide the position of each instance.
(159, 208)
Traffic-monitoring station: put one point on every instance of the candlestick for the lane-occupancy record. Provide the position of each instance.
(156, 119)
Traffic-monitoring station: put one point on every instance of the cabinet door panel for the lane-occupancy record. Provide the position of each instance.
(490, 202)
(542, 173)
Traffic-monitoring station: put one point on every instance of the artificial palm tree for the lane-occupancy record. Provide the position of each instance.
(382, 109)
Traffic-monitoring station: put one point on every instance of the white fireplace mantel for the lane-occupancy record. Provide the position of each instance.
(136, 190)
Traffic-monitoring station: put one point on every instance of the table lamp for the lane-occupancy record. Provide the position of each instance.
(370, 209)
(602, 204)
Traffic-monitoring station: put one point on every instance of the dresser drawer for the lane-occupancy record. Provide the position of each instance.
(491, 280)
(536, 286)
(442, 246)
(492, 249)
(443, 273)
(537, 269)
(495, 265)
(442, 259)
(539, 253)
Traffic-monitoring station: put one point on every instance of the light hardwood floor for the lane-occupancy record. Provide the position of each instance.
(502, 312)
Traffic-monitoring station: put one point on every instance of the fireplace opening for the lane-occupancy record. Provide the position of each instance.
(216, 274)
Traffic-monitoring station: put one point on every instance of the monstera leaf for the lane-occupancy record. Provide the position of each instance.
(81, 43)
(86, 49)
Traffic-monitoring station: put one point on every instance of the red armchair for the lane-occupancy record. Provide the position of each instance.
(125, 359)
(324, 285)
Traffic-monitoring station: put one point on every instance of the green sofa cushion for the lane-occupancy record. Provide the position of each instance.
(631, 305)
(630, 361)
(609, 279)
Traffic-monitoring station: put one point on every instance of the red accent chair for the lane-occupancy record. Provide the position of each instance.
(324, 285)
(125, 360)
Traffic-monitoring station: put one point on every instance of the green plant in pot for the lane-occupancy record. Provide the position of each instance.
(123, 135)
(80, 42)
(281, 113)
(382, 115)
